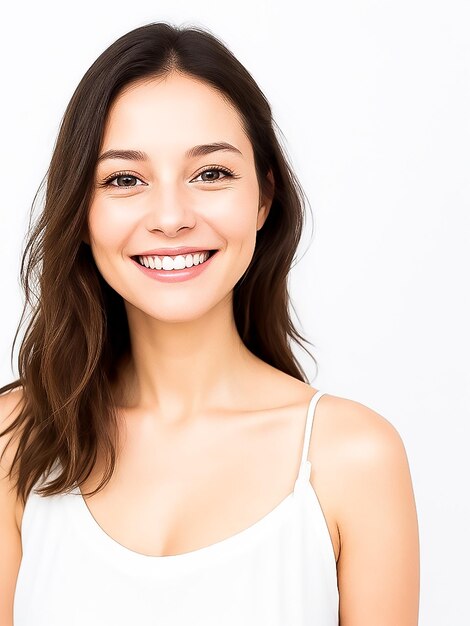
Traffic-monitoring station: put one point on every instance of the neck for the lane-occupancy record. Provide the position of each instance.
(178, 370)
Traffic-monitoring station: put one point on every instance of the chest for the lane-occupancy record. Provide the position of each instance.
(174, 493)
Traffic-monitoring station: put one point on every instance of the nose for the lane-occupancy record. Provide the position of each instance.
(168, 209)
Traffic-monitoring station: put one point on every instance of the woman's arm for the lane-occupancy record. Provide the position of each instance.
(378, 566)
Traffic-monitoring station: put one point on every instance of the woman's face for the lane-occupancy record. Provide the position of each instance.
(168, 200)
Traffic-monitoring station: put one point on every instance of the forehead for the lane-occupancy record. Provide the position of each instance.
(171, 114)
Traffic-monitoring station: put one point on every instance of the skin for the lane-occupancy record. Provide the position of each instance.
(199, 411)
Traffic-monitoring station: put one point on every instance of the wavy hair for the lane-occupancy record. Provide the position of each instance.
(78, 331)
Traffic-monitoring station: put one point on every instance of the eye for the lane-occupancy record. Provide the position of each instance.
(213, 173)
(125, 177)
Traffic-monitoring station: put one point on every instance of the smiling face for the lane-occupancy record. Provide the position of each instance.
(177, 195)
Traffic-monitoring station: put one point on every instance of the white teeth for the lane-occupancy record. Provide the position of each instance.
(168, 263)
(178, 262)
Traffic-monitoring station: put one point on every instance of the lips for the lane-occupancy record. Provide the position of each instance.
(173, 276)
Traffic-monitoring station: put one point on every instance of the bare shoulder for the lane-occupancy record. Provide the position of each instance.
(363, 449)
(371, 494)
(10, 405)
(359, 433)
(10, 538)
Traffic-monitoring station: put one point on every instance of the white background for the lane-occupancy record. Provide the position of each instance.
(373, 99)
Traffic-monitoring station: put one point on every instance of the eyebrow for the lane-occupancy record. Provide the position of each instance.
(195, 151)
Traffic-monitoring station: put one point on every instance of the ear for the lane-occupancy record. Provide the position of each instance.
(265, 202)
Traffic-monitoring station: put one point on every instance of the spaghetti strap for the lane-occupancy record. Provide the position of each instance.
(305, 465)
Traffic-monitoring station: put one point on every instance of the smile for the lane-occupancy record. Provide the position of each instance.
(178, 262)
(175, 269)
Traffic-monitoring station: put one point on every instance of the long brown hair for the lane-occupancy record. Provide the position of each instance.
(78, 331)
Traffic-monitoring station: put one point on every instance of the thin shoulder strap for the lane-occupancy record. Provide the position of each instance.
(305, 465)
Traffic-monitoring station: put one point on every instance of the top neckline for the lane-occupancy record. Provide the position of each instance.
(100, 540)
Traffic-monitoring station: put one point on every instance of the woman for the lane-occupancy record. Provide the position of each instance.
(160, 414)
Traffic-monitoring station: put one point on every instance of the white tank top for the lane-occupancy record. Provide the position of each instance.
(280, 571)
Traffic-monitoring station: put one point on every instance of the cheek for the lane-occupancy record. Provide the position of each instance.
(108, 233)
(107, 227)
(237, 218)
